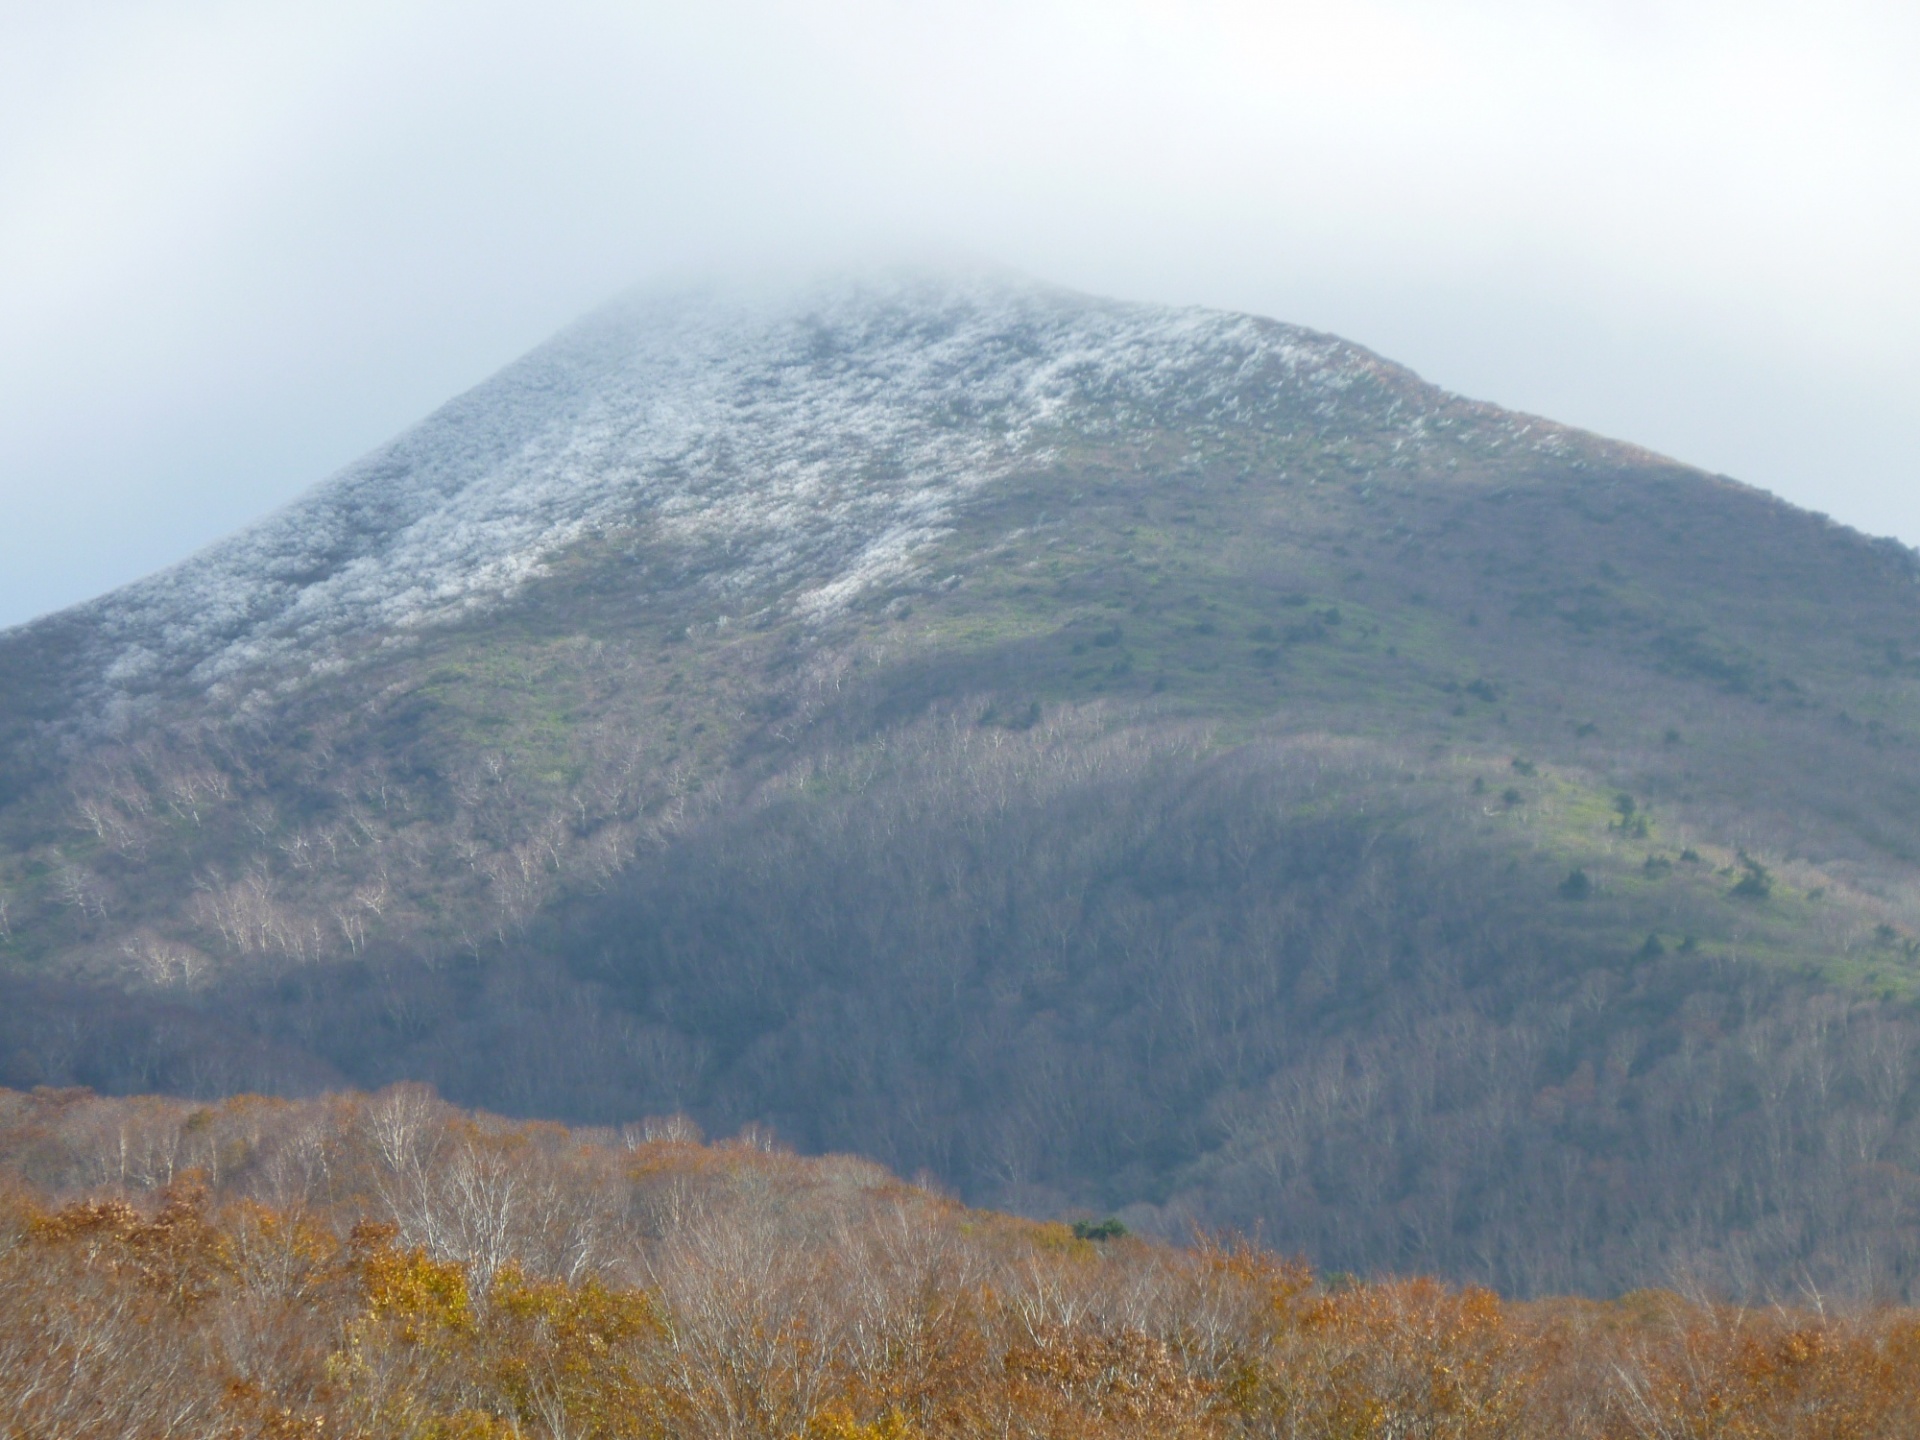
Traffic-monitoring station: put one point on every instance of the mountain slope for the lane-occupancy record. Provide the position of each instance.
(1104, 754)
(813, 447)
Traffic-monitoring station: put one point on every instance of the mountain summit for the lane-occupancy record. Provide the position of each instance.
(810, 444)
(1148, 760)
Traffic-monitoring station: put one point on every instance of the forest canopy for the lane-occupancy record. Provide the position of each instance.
(387, 1265)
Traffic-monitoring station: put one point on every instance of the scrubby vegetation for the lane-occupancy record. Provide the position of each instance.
(384, 1266)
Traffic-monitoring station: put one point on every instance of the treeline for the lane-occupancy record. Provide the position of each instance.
(1292, 989)
(387, 1266)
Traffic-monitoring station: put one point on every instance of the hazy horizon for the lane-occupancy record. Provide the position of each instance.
(242, 249)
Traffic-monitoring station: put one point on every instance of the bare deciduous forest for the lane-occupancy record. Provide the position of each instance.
(1188, 988)
(387, 1266)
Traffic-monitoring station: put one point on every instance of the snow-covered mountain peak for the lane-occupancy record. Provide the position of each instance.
(815, 438)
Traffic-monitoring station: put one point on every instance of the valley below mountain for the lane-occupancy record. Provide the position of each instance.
(1106, 758)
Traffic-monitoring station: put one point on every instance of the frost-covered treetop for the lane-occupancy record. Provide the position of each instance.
(815, 439)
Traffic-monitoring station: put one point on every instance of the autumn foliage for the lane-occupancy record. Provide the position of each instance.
(388, 1266)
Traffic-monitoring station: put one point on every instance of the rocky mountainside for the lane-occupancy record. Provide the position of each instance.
(1152, 760)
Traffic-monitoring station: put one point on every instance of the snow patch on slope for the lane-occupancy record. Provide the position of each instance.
(816, 440)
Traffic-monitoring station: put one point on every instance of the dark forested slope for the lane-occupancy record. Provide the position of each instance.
(1153, 760)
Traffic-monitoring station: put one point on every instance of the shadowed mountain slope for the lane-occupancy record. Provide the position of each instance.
(1163, 761)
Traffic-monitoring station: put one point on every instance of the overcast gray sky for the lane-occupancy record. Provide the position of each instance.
(240, 244)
